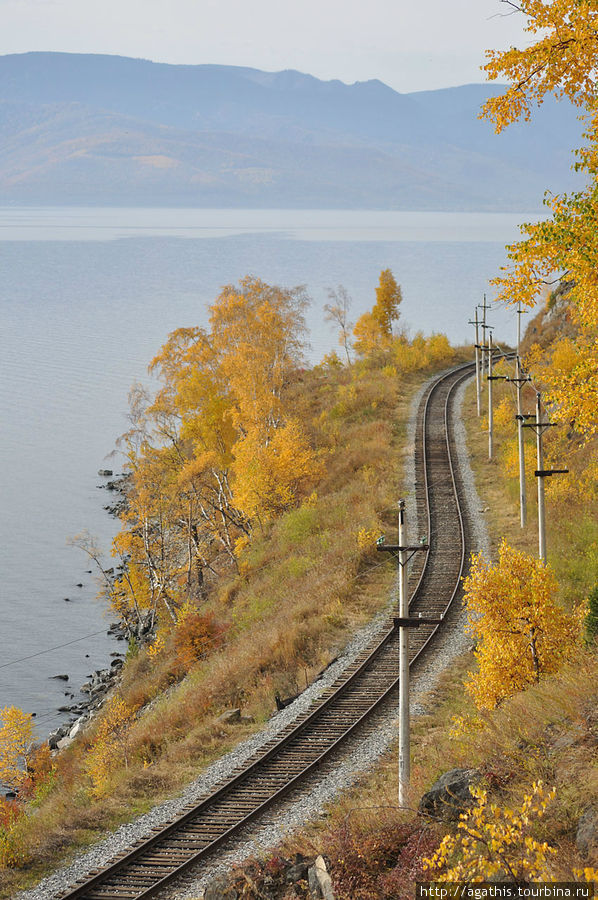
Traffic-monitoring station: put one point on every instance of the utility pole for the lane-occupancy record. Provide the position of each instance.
(478, 380)
(541, 473)
(483, 348)
(520, 381)
(540, 477)
(403, 554)
(490, 411)
(404, 723)
(484, 306)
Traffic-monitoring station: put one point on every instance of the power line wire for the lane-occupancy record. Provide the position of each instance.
(51, 649)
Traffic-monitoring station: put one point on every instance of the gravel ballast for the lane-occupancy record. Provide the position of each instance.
(450, 644)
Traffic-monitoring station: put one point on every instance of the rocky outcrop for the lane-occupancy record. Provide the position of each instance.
(586, 836)
(118, 485)
(100, 682)
(305, 876)
(234, 717)
(450, 795)
(319, 881)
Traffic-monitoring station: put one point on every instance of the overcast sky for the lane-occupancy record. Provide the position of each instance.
(409, 44)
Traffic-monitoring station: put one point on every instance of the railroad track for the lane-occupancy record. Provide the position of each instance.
(312, 740)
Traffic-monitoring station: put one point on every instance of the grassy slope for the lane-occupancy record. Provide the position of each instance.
(548, 732)
(304, 587)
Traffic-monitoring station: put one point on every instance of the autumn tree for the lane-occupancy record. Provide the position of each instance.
(271, 475)
(561, 58)
(337, 311)
(216, 450)
(195, 412)
(258, 333)
(520, 630)
(110, 746)
(373, 330)
(16, 740)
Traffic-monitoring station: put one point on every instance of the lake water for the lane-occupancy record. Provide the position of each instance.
(88, 297)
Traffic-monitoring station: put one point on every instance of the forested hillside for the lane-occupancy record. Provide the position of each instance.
(256, 487)
(107, 130)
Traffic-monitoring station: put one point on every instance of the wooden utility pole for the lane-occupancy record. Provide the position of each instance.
(403, 553)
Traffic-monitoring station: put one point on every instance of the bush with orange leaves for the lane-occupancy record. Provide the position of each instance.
(39, 773)
(196, 634)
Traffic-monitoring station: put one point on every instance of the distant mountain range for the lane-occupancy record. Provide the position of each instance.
(108, 130)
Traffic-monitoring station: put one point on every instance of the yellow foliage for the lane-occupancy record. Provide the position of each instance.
(366, 538)
(494, 843)
(369, 337)
(156, 647)
(560, 57)
(241, 544)
(256, 332)
(586, 874)
(561, 60)
(520, 630)
(110, 747)
(12, 819)
(16, 736)
(388, 298)
(331, 361)
(461, 725)
(421, 352)
(215, 448)
(270, 476)
(373, 330)
(504, 417)
(510, 457)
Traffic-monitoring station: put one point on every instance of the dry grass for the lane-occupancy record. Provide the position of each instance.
(499, 494)
(305, 585)
(571, 513)
(550, 732)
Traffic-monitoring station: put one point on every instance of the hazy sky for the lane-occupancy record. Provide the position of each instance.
(409, 44)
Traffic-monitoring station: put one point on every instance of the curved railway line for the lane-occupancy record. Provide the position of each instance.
(344, 710)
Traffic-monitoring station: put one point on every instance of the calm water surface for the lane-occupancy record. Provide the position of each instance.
(88, 297)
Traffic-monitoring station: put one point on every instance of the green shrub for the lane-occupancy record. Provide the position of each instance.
(299, 524)
(592, 616)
